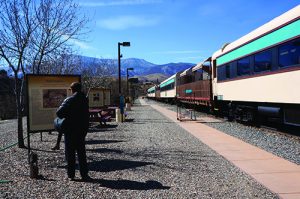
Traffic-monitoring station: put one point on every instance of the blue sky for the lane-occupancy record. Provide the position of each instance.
(164, 31)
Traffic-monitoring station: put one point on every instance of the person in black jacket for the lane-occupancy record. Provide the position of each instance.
(75, 110)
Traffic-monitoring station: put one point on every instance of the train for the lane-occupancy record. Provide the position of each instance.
(251, 79)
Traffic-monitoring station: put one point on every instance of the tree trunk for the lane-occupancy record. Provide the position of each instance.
(19, 112)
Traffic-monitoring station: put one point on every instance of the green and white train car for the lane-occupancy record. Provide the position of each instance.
(151, 92)
(168, 88)
(258, 75)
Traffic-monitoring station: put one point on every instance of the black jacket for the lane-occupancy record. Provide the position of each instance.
(75, 110)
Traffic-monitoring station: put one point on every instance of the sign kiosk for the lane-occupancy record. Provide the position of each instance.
(45, 93)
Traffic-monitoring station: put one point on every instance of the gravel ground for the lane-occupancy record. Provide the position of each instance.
(283, 145)
(146, 157)
(8, 129)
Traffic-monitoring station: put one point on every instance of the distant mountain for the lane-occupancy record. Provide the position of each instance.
(169, 69)
(139, 65)
(142, 67)
(153, 77)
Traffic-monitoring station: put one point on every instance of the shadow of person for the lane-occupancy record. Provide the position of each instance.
(128, 184)
(106, 126)
(102, 141)
(129, 120)
(105, 150)
(115, 165)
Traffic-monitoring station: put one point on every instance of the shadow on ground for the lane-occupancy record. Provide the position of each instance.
(105, 150)
(129, 184)
(99, 128)
(102, 141)
(115, 165)
(129, 120)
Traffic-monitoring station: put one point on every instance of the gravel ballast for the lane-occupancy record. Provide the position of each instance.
(148, 156)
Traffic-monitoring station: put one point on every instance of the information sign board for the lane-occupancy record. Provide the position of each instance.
(45, 93)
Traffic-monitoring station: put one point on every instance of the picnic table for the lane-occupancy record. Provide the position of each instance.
(99, 115)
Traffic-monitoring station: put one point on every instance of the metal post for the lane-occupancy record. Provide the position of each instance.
(28, 144)
(119, 63)
(119, 67)
(127, 83)
(127, 89)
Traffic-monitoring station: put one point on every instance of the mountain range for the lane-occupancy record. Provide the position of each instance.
(143, 69)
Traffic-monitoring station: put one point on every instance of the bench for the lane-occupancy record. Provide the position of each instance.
(105, 117)
(99, 115)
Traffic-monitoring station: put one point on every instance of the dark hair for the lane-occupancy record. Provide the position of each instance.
(76, 87)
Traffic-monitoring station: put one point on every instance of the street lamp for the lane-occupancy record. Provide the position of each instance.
(127, 80)
(119, 61)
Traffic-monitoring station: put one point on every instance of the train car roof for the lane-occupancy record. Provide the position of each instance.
(173, 76)
(151, 89)
(200, 65)
(271, 25)
(168, 81)
(186, 72)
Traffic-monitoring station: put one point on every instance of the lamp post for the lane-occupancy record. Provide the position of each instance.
(119, 61)
(127, 80)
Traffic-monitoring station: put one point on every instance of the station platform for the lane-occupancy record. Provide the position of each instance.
(276, 174)
(150, 155)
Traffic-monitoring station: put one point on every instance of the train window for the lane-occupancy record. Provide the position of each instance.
(262, 61)
(243, 66)
(168, 87)
(221, 73)
(199, 75)
(289, 54)
(227, 68)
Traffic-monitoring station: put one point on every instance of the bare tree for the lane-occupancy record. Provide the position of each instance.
(17, 25)
(58, 22)
(98, 73)
(31, 33)
(63, 61)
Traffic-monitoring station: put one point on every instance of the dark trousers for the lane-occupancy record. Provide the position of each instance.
(75, 145)
(58, 138)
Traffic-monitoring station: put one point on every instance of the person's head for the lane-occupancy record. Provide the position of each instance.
(75, 87)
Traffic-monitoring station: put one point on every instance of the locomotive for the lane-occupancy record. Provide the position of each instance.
(253, 78)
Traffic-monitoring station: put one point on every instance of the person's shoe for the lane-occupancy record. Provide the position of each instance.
(55, 148)
(86, 178)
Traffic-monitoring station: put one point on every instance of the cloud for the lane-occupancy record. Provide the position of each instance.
(80, 44)
(118, 3)
(124, 22)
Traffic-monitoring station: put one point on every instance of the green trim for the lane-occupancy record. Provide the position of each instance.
(151, 89)
(5, 181)
(275, 37)
(170, 81)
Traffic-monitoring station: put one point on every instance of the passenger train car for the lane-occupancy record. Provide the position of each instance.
(195, 85)
(168, 88)
(151, 92)
(252, 78)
